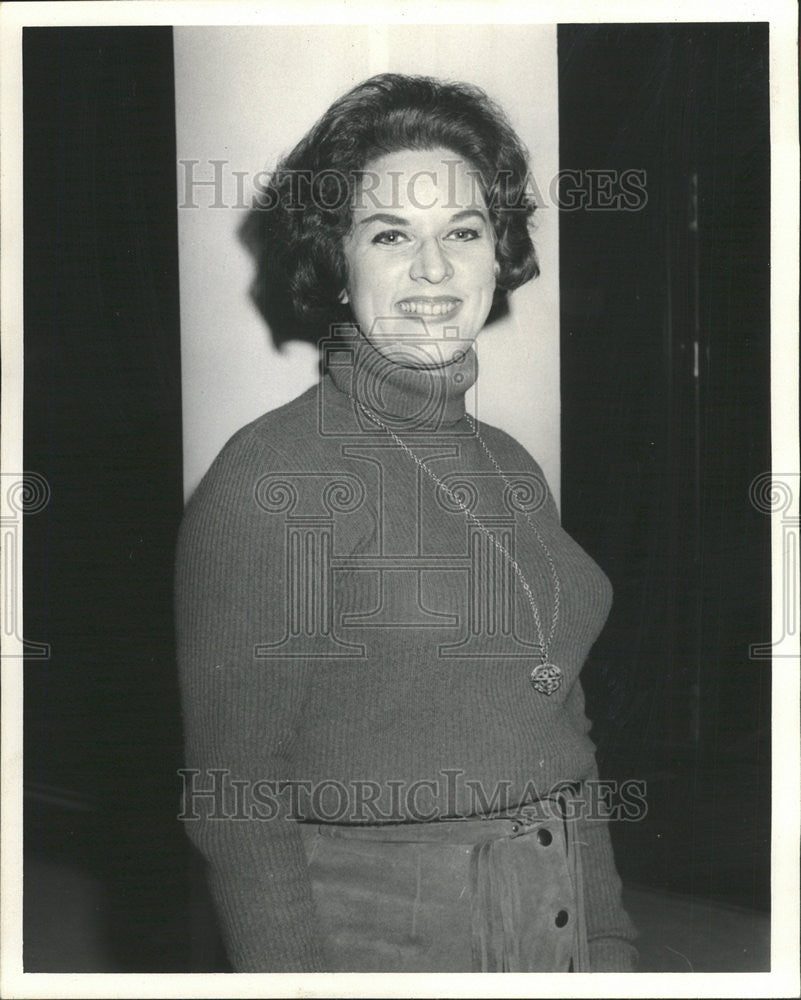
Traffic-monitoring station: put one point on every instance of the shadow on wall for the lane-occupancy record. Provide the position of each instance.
(270, 289)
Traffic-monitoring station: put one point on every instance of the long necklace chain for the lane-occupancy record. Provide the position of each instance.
(557, 590)
(546, 677)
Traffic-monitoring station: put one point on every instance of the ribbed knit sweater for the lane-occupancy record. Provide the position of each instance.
(354, 647)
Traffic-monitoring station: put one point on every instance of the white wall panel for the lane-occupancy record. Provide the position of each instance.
(244, 96)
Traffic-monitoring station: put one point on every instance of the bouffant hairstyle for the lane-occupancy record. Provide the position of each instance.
(305, 209)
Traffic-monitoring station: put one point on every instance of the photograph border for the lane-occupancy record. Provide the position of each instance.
(783, 980)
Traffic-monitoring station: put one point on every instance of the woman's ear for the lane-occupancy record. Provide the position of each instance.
(497, 269)
(343, 297)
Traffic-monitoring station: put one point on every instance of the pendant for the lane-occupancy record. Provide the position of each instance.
(546, 678)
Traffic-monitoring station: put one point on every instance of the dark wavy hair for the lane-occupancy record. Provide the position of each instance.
(304, 212)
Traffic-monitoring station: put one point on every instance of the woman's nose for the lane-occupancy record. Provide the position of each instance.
(431, 263)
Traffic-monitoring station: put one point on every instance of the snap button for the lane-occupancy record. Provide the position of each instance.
(544, 836)
(561, 918)
(515, 827)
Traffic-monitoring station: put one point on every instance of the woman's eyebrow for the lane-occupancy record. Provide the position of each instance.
(390, 220)
(397, 220)
(468, 213)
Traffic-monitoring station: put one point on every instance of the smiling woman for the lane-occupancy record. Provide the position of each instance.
(397, 153)
(381, 622)
(430, 278)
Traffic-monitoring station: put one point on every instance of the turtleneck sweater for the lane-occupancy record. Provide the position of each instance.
(354, 647)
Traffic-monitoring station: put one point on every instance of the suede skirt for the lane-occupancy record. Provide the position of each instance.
(501, 894)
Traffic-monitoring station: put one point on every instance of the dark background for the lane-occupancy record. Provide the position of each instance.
(656, 467)
(658, 450)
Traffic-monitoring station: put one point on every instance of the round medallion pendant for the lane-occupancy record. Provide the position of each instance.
(546, 678)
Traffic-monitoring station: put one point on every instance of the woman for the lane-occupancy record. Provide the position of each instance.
(381, 621)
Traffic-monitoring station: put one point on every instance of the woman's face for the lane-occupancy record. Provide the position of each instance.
(420, 257)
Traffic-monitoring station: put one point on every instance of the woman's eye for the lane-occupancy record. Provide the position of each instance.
(389, 237)
(463, 235)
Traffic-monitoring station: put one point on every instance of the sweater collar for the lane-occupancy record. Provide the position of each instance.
(404, 398)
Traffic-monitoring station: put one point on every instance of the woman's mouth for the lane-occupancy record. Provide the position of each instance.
(424, 306)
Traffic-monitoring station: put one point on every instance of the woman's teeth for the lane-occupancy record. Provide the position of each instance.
(422, 308)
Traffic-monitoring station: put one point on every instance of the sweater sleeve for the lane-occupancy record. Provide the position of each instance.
(240, 713)
(610, 931)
